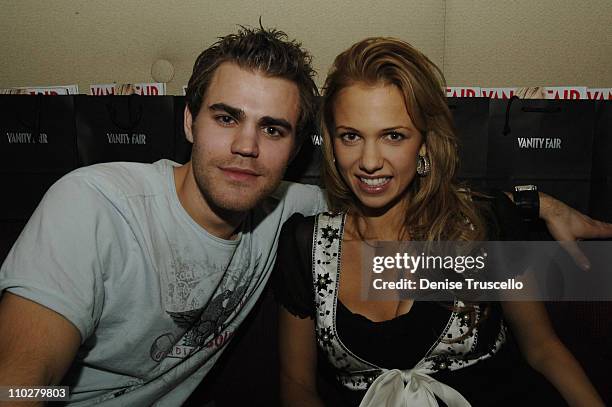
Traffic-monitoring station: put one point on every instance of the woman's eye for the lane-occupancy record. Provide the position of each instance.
(225, 120)
(349, 137)
(394, 136)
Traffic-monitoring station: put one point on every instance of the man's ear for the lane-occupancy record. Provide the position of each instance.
(188, 124)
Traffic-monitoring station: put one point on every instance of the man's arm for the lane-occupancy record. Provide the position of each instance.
(567, 225)
(37, 345)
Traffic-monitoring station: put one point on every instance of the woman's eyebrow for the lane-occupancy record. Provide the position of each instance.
(394, 128)
(346, 128)
(385, 130)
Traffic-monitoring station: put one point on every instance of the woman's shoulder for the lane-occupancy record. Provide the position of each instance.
(292, 277)
(299, 225)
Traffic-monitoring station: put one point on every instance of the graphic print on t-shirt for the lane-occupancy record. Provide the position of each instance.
(207, 326)
(204, 325)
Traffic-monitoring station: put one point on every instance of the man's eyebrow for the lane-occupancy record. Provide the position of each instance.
(273, 121)
(233, 111)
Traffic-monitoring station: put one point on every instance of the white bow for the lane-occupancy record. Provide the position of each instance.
(420, 389)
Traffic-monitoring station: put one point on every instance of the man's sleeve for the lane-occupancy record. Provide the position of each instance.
(301, 198)
(57, 260)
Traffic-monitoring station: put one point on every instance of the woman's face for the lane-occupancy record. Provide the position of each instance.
(375, 144)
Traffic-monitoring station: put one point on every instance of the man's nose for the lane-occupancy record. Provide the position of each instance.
(246, 142)
(371, 158)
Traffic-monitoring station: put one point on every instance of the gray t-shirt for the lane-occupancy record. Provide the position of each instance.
(155, 297)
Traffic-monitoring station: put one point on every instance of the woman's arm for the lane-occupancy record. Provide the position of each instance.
(547, 354)
(298, 361)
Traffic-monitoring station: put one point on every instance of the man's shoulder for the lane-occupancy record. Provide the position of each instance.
(293, 197)
(121, 179)
(289, 190)
(287, 199)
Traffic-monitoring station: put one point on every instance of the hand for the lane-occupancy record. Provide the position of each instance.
(567, 225)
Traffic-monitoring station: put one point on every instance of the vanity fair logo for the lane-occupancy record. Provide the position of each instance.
(26, 138)
(316, 139)
(125, 138)
(539, 143)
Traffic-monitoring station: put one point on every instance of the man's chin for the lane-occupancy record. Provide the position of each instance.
(229, 197)
(237, 206)
(240, 200)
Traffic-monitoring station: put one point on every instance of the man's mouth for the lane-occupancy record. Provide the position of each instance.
(240, 174)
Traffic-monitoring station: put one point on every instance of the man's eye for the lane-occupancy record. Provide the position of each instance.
(394, 136)
(349, 137)
(272, 131)
(225, 120)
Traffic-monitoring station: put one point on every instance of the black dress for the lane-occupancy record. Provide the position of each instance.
(485, 367)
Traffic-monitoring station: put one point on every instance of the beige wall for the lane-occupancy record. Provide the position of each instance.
(529, 42)
(476, 42)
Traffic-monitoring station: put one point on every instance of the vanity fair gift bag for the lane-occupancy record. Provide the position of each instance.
(124, 128)
(38, 133)
(471, 119)
(306, 166)
(548, 143)
(37, 147)
(601, 175)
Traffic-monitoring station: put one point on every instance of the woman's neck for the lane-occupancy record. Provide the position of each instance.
(384, 225)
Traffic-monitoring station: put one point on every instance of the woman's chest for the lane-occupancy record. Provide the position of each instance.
(353, 288)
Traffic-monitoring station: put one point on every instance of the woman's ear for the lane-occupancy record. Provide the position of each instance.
(423, 150)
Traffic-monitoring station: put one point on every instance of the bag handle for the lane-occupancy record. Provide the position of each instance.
(532, 109)
(37, 109)
(526, 109)
(507, 129)
(132, 122)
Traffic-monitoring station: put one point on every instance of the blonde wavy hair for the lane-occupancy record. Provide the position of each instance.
(438, 208)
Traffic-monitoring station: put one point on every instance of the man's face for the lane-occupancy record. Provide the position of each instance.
(243, 136)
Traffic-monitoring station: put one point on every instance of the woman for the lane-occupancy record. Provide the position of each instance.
(390, 163)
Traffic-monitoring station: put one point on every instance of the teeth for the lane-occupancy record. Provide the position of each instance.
(375, 182)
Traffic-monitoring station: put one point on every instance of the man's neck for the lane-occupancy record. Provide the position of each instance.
(223, 226)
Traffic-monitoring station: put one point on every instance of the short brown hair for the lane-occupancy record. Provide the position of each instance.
(266, 50)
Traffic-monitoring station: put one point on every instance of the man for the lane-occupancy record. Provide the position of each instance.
(129, 279)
